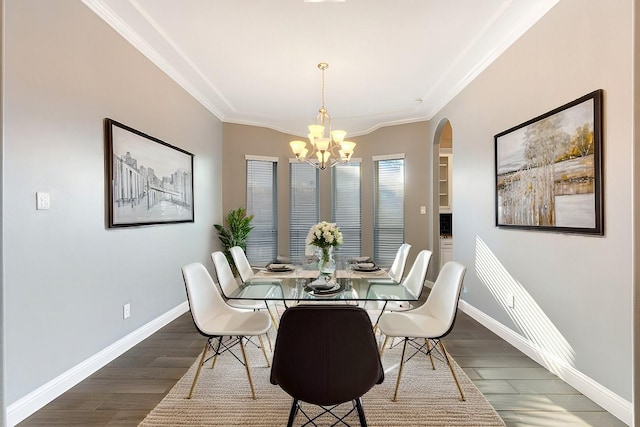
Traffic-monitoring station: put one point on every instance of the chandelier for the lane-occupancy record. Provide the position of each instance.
(323, 145)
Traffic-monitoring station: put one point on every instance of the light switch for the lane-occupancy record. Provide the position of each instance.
(42, 201)
(423, 210)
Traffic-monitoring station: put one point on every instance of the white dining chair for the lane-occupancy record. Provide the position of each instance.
(396, 271)
(229, 285)
(413, 282)
(246, 271)
(429, 322)
(215, 319)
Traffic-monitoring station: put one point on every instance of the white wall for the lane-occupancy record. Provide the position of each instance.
(66, 275)
(573, 292)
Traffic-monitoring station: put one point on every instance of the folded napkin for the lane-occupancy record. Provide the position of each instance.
(359, 259)
(278, 266)
(366, 265)
(323, 283)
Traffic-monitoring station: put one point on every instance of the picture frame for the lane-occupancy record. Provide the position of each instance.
(548, 170)
(148, 180)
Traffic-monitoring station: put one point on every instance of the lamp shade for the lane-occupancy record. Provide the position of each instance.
(338, 136)
(348, 146)
(297, 146)
(322, 144)
(316, 131)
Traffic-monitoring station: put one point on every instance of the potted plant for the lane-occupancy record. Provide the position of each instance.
(234, 233)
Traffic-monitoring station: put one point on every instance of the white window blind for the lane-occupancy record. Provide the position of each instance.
(262, 243)
(304, 206)
(346, 207)
(388, 228)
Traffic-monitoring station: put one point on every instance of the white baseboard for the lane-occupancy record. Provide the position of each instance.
(611, 402)
(22, 408)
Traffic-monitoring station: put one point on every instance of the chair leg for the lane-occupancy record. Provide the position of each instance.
(363, 420)
(269, 341)
(375, 325)
(273, 318)
(246, 366)
(215, 355)
(426, 342)
(455, 378)
(263, 350)
(384, 344)
(292, 412)
(193, 384)
(404, 349)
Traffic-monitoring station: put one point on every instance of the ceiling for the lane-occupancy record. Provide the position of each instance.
(255, 61)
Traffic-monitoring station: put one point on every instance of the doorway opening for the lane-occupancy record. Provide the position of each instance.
(443, 185)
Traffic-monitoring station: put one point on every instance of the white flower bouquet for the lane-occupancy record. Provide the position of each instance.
(324, 234)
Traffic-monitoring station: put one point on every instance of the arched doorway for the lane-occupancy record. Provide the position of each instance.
(442, 190)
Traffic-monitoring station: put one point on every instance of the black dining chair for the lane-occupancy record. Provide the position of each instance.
(326, 355)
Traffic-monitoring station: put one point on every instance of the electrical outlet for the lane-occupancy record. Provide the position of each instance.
(126, 311)
(511, 301)
(43, 201)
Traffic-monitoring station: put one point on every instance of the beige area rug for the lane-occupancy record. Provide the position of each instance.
(222, 398)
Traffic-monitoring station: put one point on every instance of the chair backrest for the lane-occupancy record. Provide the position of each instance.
(241, 262)
(442, 302)
(204, 298)
(226, 280)
(397, 268)
(414, 280)
(326, 354)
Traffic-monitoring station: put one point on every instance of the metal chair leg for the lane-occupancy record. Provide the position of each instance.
(426, 342)
(455, 378)
(193, 384)
(363, 420)
(263, 350)
(246, 366)
(404, 349)
(292, 412)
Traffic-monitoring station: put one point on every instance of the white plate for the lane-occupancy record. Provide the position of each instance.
(324, 293)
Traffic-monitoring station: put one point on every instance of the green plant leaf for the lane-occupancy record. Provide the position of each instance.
(234, 232)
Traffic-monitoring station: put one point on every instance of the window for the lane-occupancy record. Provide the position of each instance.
(388, 227)
(345, 206)
(262, 244)
(304, 206)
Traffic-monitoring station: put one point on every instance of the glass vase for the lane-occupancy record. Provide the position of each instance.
(326, 263)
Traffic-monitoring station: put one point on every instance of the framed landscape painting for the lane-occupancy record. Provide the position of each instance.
(549, 170)
(149, 181)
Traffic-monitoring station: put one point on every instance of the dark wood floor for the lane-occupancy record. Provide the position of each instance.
(124, 391)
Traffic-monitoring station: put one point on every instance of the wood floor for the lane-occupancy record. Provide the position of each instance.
(124, 391)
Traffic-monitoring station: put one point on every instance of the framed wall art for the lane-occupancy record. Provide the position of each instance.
(549, 170)
(148, 180)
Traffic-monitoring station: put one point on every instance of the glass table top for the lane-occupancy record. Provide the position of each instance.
(343, 289)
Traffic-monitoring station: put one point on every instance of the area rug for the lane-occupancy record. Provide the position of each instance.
(222, 397)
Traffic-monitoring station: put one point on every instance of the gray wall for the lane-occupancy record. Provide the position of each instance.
(573, 292)
(66, 275)
(410, 139)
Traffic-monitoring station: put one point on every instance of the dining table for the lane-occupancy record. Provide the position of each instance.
(295, 285)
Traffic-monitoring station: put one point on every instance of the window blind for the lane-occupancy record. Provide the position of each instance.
(304, 206)
(388, 229)
(262, 243)
(346, 207)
